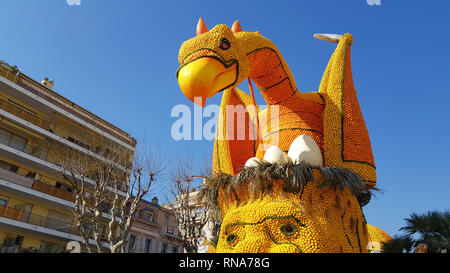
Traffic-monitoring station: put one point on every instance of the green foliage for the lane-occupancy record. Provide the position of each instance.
(431, 228)
(13, 69)
(398, 244)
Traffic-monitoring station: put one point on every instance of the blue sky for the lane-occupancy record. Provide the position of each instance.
(118, 59)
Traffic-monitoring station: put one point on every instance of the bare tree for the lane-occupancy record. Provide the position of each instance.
(108, 186)
(191, 213)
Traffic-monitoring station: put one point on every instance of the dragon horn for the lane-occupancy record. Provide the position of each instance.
(201, 27)
(236, 27)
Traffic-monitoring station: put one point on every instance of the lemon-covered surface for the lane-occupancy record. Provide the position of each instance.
(286, 199)
(290, 208)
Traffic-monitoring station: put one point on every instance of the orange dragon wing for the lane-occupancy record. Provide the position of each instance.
(236, 138)
(346, 139)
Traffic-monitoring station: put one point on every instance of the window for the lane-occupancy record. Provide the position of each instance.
(18, 241)
(40, 152)
(170, 230)
(174, 249)
(148, 246)
(8, 167)
(132, 243)
(3, 202)
(58, 221)
(12, 140)
(149, 217)
(79, 143)
(163, 248)
(166, 220)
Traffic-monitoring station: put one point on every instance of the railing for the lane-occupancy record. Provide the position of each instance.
(36, 185)
(85, 142)
(23, 114)
(39, 220)
(42, 91)
(16, 178)
(8, 74)
(171, 231)
(53, 191)
(60, 153)
(11, 213)
(63, 102)
(51, 223)
(45, 188)
(11, 249)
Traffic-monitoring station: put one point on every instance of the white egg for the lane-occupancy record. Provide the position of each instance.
(252, 162)
(304, 148)
(275, 155)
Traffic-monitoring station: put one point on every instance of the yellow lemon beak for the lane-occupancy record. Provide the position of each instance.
(205, 77)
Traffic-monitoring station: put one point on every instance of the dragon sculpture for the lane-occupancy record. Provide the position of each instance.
(294, 176)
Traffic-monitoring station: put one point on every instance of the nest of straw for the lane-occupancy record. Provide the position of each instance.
(259, 179)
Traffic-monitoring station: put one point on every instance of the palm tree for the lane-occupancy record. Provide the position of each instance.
(431, 229)
(398, 244)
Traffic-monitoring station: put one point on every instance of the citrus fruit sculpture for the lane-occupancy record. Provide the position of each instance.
(304, 192)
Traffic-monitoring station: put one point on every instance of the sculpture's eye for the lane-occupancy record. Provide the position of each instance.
(224, 44)
(288, 229)
(231, 238)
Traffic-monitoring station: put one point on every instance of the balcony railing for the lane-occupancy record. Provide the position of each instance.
(66, 225)
(11, 249)
(53, 191)
(7, 73)
(36, 185)
(16, 178)
(11, 213)
(50, 95)
(23, 114)
(39, 220)
(40, 186)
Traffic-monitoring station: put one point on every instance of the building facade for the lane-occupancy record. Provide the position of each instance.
(200, 217)
(36, 124)
(154, 230)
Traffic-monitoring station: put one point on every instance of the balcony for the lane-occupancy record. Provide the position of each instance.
(11, 213)
(52, 223)
(16, 178)
(53, 191)
(6, 72)
(43, 165)
(63, 227)
(15, 115)
(171, 233)
(36, 185)
(72, 110)
(16, 110)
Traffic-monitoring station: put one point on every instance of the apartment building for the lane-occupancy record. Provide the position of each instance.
(154, 230)
(36, 124)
